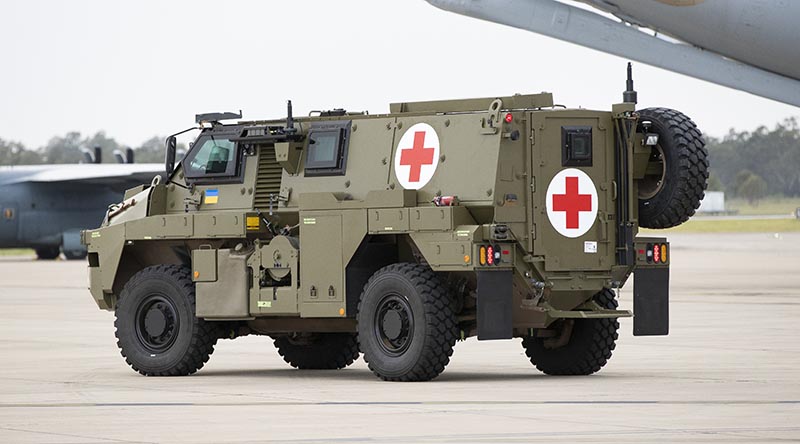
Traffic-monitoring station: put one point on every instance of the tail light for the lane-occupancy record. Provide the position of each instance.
(491, 254)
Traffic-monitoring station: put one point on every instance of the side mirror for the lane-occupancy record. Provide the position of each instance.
(169, 158)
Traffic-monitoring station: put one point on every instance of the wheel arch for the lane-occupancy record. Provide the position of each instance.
(375, 252)
(138, 255)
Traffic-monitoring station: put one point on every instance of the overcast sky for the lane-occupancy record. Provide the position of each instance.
(138, 69)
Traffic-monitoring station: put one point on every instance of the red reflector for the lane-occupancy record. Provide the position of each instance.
(641, 251)
(509, 118)
(490, 255)
(506, 252)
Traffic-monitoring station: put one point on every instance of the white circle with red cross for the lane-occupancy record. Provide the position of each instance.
(571, 202)
(417, 156)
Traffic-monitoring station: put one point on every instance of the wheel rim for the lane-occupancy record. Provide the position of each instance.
(656, 173)
(394, 324)
(157, 323)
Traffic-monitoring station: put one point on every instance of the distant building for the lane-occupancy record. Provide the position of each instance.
(713, 203)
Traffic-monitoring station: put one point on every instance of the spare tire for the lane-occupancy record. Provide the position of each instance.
(677, 172)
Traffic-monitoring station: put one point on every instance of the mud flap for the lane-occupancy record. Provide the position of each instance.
(651, 301)
(495, 310)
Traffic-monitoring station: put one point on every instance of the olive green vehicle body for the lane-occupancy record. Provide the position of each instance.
(345, 226)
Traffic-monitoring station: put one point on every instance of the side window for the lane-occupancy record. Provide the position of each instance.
(576, 146)
(326, 152)
(215, 156)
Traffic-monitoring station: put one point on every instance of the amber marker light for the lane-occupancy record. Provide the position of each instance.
(466, 258)
(482, 258)
(341, 312)
(196, 274)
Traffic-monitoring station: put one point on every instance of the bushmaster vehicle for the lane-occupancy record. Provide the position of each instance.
(396, 235)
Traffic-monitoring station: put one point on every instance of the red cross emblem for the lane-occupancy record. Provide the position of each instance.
(416, 156)
(572, 202)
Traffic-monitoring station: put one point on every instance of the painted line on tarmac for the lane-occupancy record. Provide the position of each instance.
(389, 403)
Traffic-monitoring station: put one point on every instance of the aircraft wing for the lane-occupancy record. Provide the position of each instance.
(750, 24)
(118, 177)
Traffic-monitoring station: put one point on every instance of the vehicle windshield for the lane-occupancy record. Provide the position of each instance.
(215, 156)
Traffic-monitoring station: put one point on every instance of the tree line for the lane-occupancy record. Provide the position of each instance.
(744, 164)
(755, 164)
(68, 149)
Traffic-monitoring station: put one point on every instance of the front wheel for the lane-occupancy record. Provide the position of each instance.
(157, 331)
(588, 347)
(406, 327)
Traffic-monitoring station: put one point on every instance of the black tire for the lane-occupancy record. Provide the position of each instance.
(47, 253)
(589, 347)
(75, 255)
(320, 351)
(157, 331)
(406, 327)
(670, 195)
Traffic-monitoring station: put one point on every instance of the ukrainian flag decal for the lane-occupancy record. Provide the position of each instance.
(211, 196)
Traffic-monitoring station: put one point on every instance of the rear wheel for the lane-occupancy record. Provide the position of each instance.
(47, 253)
(157, 331)
(75, 254)
(587, 349)
(406, 327)
(677, 172)
(318, 351)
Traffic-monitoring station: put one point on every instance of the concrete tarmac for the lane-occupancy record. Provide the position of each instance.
(729, 371)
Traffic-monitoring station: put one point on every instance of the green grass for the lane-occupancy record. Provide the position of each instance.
(733, 226)
(17, 252)
(768, 205)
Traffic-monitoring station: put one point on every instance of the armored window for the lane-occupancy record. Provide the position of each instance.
(212, 156)
(326, 152)
(576, 146)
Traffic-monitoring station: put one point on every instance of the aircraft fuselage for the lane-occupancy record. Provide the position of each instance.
(44, 215)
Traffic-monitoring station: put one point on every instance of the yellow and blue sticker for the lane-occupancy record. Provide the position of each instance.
(211, 196)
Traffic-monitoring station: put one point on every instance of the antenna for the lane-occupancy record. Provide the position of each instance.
(290, 129)
(629, 96)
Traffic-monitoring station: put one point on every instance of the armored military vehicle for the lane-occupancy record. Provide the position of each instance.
(396, 235)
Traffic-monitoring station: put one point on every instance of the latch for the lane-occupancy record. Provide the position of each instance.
(191, 204)
(283, 196)
(493, 117)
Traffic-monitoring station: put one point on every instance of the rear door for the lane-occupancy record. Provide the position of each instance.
(572, 164)
(9, 223)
